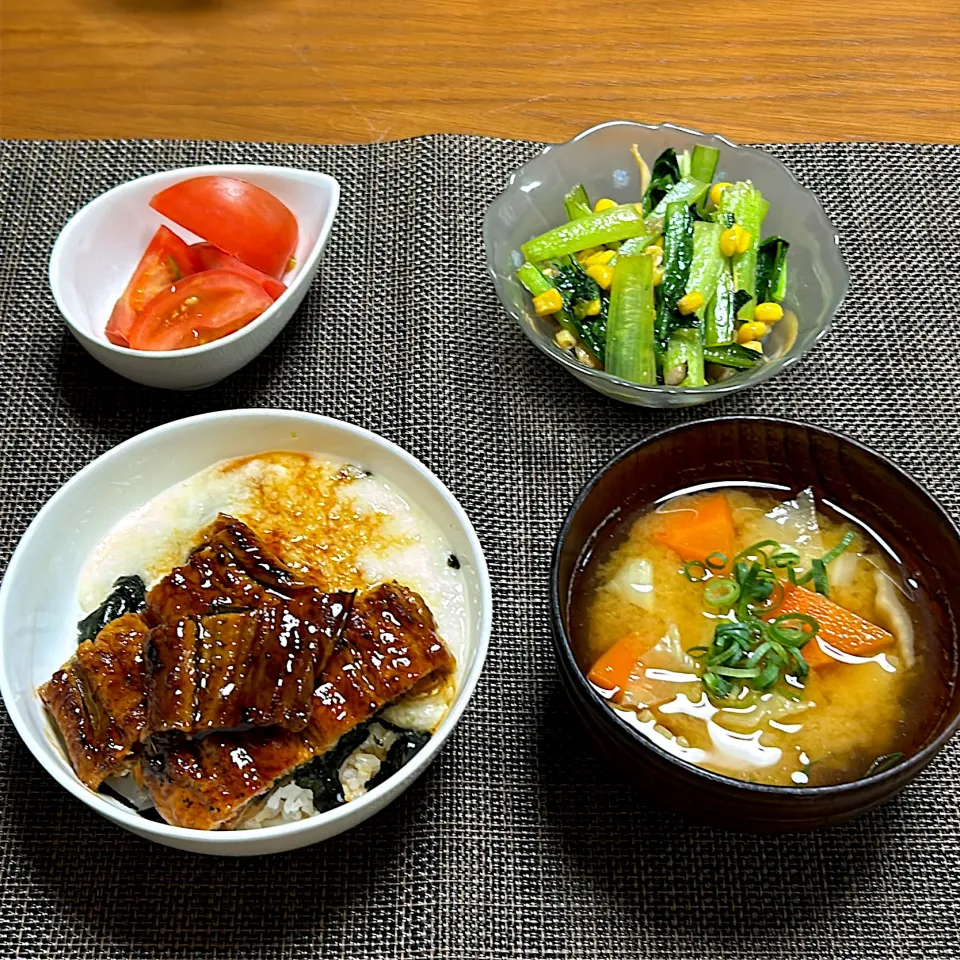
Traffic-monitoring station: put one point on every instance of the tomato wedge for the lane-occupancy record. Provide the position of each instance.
(166, 259)
(198, 309)
(208, 257)
(241, 219)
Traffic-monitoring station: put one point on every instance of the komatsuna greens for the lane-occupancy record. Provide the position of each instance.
(677, 287)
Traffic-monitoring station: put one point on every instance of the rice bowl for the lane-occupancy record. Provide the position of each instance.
(412, 531)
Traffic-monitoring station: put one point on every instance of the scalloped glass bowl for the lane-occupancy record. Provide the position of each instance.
(600, 159)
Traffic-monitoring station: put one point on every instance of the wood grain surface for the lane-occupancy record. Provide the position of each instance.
(324, 71)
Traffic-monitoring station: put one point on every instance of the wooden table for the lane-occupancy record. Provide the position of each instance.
(323, 71)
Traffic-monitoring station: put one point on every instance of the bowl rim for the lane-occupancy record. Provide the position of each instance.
(57, 254)
(753, 377)
(68, 779)
(563, 648)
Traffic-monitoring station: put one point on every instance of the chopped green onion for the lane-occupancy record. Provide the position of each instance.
(886, 762)
(821, 583)
(845, 542)
(757, 551)
(740, 672)
(794, 636)
(716, 560)
(768, 676)
(721, 592)
(748, 648)
(785, 557)
(689, 569)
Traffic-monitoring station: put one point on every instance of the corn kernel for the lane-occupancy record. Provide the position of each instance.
(604, 204)
(690, 303)
(655, 252)
(728, 241)
(751, 330)
(743, 239)
(547, 302)
(657, 275)
(602, 274)
(769, 312)
(564, 339)
(716, 191)
(602, 257)
(592, 308)
(755, 345)
(584, 255)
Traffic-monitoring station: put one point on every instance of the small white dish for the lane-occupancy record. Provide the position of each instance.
(96, 252)
(39, 608)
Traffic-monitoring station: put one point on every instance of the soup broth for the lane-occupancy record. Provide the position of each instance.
(644, 616)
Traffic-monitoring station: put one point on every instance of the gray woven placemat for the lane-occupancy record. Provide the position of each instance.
(517, 842)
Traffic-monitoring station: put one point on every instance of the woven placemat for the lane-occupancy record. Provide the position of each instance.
(518, 842)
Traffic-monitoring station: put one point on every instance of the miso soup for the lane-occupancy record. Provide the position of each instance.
(760, 635)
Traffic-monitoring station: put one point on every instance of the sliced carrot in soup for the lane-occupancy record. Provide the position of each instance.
(614, 669)
(839, 628)
(700, 529)
(623, 672)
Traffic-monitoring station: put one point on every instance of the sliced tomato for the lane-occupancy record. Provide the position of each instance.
(202, 307)
(244, 220)
(166, 259)
(208, 257)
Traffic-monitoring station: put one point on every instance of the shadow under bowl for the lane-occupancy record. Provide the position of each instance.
(732, 450)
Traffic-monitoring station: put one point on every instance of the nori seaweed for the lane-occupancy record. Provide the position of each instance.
(322, 775)
(129, 595)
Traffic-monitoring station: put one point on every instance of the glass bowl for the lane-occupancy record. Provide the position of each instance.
(600, 159)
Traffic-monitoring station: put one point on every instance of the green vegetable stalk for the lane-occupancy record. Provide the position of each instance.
(772, 269)
(683, 359)
(677, 257)
(703, 163)
(568, 283)
(748, 207)
(595, 230)
(630, 326)
(721, 316)
(688, 190)
(536, 283)
(665, 173)
(576, 203)
(636, 245)
(732, 355)
(707, 264)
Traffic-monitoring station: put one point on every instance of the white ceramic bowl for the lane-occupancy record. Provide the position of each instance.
(96, 252)
(39, 609)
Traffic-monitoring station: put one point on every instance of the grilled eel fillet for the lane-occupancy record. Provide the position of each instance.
(98, 702)
(239, 638)
(389, 647)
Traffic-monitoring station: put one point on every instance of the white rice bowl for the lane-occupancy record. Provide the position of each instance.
(72, 552)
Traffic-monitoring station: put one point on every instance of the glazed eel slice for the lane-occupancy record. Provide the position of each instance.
(390, 646)
(97, 700)
(231, 569)
(239, 639)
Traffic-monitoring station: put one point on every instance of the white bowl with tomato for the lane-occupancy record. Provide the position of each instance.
(180, 278)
